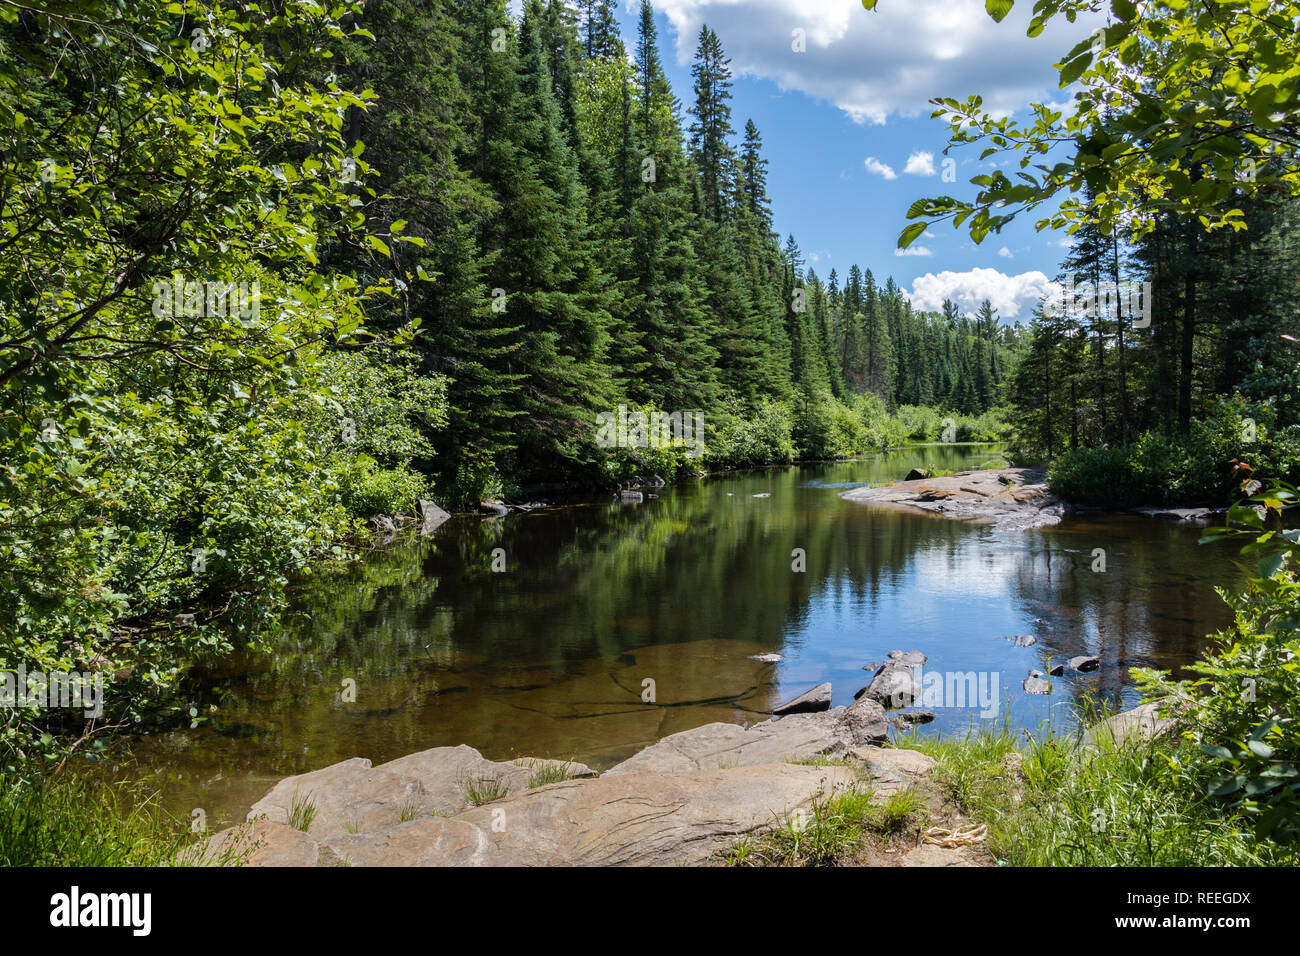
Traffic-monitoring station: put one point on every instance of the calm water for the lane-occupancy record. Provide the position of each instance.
(548, 658)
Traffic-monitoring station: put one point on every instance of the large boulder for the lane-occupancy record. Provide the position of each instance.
(638, 819)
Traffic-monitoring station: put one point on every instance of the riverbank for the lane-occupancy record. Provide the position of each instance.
(816, 788)
(1015, 499)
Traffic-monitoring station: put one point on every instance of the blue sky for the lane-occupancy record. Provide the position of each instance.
(859, 94)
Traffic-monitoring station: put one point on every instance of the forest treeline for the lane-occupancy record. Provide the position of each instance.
(1177, 394)
(598, 241)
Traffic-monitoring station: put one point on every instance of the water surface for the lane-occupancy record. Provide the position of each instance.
(550, 657)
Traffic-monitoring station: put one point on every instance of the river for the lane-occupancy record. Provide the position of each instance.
(551, 656)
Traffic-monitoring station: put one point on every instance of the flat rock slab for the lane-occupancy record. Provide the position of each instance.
(636, 819)
(793, 738)
(819, 698)
(1036, 685)
(893, 770)
(351, 795)
(354, 797)
(1010, 498)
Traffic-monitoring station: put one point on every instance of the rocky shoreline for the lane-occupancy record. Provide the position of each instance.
(1014, 499)
(684, 800)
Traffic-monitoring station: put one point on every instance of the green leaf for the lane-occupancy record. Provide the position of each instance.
(911, 233)
(998, 9)
(1074, 69)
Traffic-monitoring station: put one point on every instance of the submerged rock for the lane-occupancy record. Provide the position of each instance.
(766, 658)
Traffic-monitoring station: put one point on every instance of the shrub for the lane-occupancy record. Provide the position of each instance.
(758, 437)
(368, 489)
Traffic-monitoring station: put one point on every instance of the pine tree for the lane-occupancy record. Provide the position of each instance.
(710, 145)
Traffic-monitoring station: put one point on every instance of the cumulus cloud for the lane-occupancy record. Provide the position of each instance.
(920, 163)
(1013, 296)
(1006, 253)
(914, 251)
(877, 168)
(887, 62)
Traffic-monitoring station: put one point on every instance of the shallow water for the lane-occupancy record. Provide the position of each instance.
(549, 657)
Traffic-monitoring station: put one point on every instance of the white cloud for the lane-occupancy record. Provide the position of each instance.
(887, 62)
(1006, 253)
(1013, 296)
(914, 251)
(920, 163)
(877, 168)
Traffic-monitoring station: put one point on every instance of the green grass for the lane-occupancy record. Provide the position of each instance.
(831, 832)
(302, 811)
(409, 810)
(71, 822)
(821, 760)
(481, 790)
(1055, 803)
(544, 774)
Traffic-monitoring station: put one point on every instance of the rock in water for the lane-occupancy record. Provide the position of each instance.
(916, 474)
(630, 497)
(1035, 685)
(493, 508)
(1085, 663)
(819, 698)
(908, 658)
(1024, 640)
(431, 516)
(766, 658)
(894, 685)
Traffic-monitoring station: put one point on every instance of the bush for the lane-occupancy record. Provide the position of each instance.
(1243, 712)
(668, 448)
(368, 489)
(1196, 469)
(759, 437)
